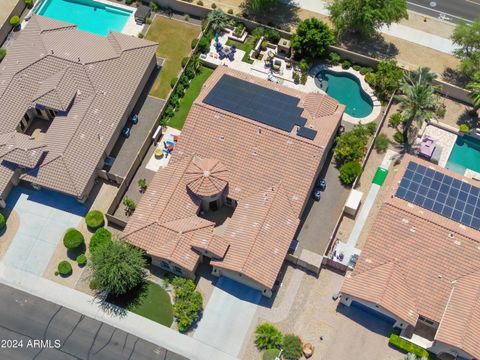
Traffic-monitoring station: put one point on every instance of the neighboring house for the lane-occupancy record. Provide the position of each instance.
(420, 267)
(65, 96)
(239, 179)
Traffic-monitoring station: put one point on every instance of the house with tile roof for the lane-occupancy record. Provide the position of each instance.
(65, 96)
(420, 268)
(239, 179)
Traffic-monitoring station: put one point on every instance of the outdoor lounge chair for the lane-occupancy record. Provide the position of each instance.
(277, 65)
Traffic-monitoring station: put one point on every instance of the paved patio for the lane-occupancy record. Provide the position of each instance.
(43, 218)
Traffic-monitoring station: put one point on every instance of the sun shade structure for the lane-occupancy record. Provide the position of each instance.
(419, 262)
(226, 158)
(81, 88)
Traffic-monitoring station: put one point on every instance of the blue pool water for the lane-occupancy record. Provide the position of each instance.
(465, 155)
(88, 15)
(346, 88)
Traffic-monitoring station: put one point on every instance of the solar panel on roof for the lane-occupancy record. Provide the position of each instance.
(441, 193)
(307, 133)
(256, 102)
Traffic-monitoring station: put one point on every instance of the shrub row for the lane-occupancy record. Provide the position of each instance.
(405, 345)
(188, 303)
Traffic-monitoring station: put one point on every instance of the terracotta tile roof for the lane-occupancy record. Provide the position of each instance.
(52, 64)
(268, 171)
(434, 264)
(21, 149)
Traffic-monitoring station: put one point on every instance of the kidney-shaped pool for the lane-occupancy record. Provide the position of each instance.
(345, 88)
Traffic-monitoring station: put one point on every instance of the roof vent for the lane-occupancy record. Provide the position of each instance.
(259, 131)
(405, 221)
(450, 235)
(222, 138)
(440, 276)
(412, 229)
(456, 242)
(254, 152)
(289, 142)
(51, 52)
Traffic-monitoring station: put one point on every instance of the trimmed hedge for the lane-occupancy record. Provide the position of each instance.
(100, 238)
(64, 268)
(3, 53)
(270, 354)
(2, 222)
(94, 219)
(405, 345)
(14, 21)
(81, 260)
(73, 239)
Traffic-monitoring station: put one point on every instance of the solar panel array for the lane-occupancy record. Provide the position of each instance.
(441, 193)
(307, 133)
(256, 102)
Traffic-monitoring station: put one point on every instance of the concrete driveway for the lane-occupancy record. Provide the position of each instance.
(227, 317)
(44, 216)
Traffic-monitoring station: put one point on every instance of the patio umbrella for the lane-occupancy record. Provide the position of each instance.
(216, 37)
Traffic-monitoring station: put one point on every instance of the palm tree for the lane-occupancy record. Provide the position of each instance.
(474, 87)
(418, 102)
(267, 336)
(218, 20)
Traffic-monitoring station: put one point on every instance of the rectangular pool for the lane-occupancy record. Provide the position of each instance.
(465, 155)
(88, 15)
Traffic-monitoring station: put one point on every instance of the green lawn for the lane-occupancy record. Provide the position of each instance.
(247, 46)
(174, 38)
(191, 94)
(148, 300)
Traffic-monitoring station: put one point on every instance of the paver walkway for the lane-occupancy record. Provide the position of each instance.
(129, 322)
(226, 320)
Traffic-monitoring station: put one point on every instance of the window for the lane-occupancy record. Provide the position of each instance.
(177, 269)
(165, 265)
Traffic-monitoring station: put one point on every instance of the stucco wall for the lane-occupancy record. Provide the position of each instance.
(242, 279)
(186, 273)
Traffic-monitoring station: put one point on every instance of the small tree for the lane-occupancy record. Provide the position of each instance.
(258, 7)
(218, 20)
(467, 38)
(351, 145)
(118, 268)
(101, 237)
(387, 78)
(366, 16)
(94, 219)
(292, 347)
(396, 120)
(129, 204)
(267, 336)
(381, 143)
(188, 303)
(312, 39)
(474, 88)
(142, 184)
(349, 171)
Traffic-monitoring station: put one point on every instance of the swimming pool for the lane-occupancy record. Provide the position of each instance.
(346, 88)
(465, 155)
(88, 15)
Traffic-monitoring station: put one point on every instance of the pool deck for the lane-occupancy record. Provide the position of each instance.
(444, 138)
(130, 27)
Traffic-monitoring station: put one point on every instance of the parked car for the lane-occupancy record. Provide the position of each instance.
(126, 132)
(317, 194)
(134, 119)
(321, 184)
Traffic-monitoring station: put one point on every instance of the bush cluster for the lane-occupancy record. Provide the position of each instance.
(101, 237)
(381, 143)
(351, 145)
(464, 128)
(64, 268)
(73, 239)
(188, 303)
(292, 347)
(81, 260)
(94, 219)
(3, 223)
(349, 172)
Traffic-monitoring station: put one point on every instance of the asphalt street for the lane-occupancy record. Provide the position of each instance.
(32, 328)
(454, 10)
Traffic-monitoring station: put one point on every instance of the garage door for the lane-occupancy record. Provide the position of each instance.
(373, 312)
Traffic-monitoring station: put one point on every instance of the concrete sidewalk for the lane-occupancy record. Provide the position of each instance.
(397, 30)
(131, 323)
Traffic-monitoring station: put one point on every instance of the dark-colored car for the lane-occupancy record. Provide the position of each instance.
(317, 194)
(321, 184)
(134, 119)
(126, 132)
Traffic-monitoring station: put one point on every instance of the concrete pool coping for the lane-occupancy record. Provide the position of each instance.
(377, 106)
(130, 27)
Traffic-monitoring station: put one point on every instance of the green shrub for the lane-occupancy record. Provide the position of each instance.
(189, 73)
(381, 143)
(148, 21)
(267, 336)
(395, 120)
(349, 171)
(365, 70)
(188, 303)
(64, 268)
(441, 111)
(180, 90)
(405, 345)
(94, 219)
(14, 21)
(81, 260)
(173, 82)
(185, 81)
(153, 6)
(273, 36)
(129, 2)
(203, 45)
(351, 145)
(398, 137)
(304, 65)
(185, 61)
(264, 44)
(101, 237)
(200, 3)
(29, 3)
(230, 11)
(371, 127)
(214, 6)
(186, 17)
(141, 35)
(464, 128)
(334, 58)
(2, 222)
(303, 78)
(270, 354)
(292, 347)
(73, 239)
(346, 64)
(387, 78)
(194, 43)
(370, 79)
(3, 53)
(356, 67)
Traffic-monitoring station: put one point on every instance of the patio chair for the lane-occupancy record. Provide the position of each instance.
(221, 55)
(230, 56)
(277, 65)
